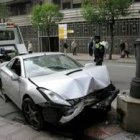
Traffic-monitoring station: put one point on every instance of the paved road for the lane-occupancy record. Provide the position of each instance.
(120, 73)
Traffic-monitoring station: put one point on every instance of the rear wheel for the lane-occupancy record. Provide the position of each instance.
(32, 114)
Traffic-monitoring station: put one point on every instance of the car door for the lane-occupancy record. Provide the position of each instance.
(12, 79)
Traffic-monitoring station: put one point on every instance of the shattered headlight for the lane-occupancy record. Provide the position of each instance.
(54, 97)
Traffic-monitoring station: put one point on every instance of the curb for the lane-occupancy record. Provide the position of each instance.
(115, 58)
(112, 61)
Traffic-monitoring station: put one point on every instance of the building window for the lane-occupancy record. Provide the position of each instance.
(137, 0)
(57, 2)
(77, 5)
(20, 8)
(66, 5)
(34, 2)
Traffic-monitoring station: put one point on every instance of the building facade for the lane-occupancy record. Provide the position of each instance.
(126, 28)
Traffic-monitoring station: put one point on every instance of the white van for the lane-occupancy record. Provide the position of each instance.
(11, 42)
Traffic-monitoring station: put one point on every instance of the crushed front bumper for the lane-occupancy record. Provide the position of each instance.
(93, 103)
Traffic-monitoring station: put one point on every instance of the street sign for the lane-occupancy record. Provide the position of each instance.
(70, 31)
(62, 30)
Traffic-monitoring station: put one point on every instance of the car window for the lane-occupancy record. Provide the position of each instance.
(15, 66)
(47, 64)
(9, 65)
(59, 62)
(35, 67)
(68, 62)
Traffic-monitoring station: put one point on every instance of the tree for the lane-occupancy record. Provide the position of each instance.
(106, 11)
(45, 16)
(4, 12)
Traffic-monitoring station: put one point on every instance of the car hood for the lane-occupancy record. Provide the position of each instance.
(75, 83)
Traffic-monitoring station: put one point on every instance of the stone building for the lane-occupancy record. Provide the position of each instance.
(126, 28)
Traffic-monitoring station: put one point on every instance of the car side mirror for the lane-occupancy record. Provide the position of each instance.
(89, 65)
(14, 77)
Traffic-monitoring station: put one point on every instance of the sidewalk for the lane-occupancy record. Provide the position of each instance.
(11, 130)
(115, 58)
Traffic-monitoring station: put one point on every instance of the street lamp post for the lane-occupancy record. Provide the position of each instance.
(135, 84)
(128, 103)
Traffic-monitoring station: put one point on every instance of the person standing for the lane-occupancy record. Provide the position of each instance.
(74, 47)
(91, 47)
(65, 46)
(106, 46)
(30, 47)
(98, 51)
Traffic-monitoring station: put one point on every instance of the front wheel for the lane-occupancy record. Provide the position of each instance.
(32, 114)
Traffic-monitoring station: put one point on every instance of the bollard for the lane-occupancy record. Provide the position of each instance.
(135, 84)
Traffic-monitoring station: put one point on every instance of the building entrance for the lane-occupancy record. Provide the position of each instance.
(54, 44)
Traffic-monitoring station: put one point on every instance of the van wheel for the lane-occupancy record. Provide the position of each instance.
(32, 114)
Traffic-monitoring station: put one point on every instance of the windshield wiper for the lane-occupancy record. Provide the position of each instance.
(74, 71)
(57, 67)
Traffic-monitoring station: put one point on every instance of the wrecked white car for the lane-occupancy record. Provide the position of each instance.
(55, 88)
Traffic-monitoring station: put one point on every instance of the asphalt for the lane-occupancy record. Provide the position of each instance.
(110, 130)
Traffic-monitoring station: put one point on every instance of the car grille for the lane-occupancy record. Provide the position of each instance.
(99, 95)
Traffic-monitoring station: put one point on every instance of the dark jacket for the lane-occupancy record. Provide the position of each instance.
(65, 45)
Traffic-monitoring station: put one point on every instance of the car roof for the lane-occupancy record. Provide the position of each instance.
(39, 54)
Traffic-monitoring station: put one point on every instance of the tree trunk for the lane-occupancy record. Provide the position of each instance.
(112, 40)
(49, 45)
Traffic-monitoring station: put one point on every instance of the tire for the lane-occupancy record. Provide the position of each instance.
(32, 114)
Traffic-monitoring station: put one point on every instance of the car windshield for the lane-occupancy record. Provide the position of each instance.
(47, 64)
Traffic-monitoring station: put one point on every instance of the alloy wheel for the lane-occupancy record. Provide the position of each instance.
(32, 114)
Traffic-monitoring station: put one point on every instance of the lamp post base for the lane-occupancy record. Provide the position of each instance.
(128, 110)
(135, 88)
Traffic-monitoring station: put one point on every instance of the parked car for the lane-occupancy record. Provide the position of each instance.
(55, 88)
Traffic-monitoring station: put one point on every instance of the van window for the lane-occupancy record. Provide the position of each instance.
(7, 52)
(7, 35)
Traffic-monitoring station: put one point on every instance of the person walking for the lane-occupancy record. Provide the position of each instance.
(122, 49)
(126, 49)
(30, 47)
(65, 46)
(74, 47)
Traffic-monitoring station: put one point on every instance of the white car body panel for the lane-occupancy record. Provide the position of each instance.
(77, 84)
